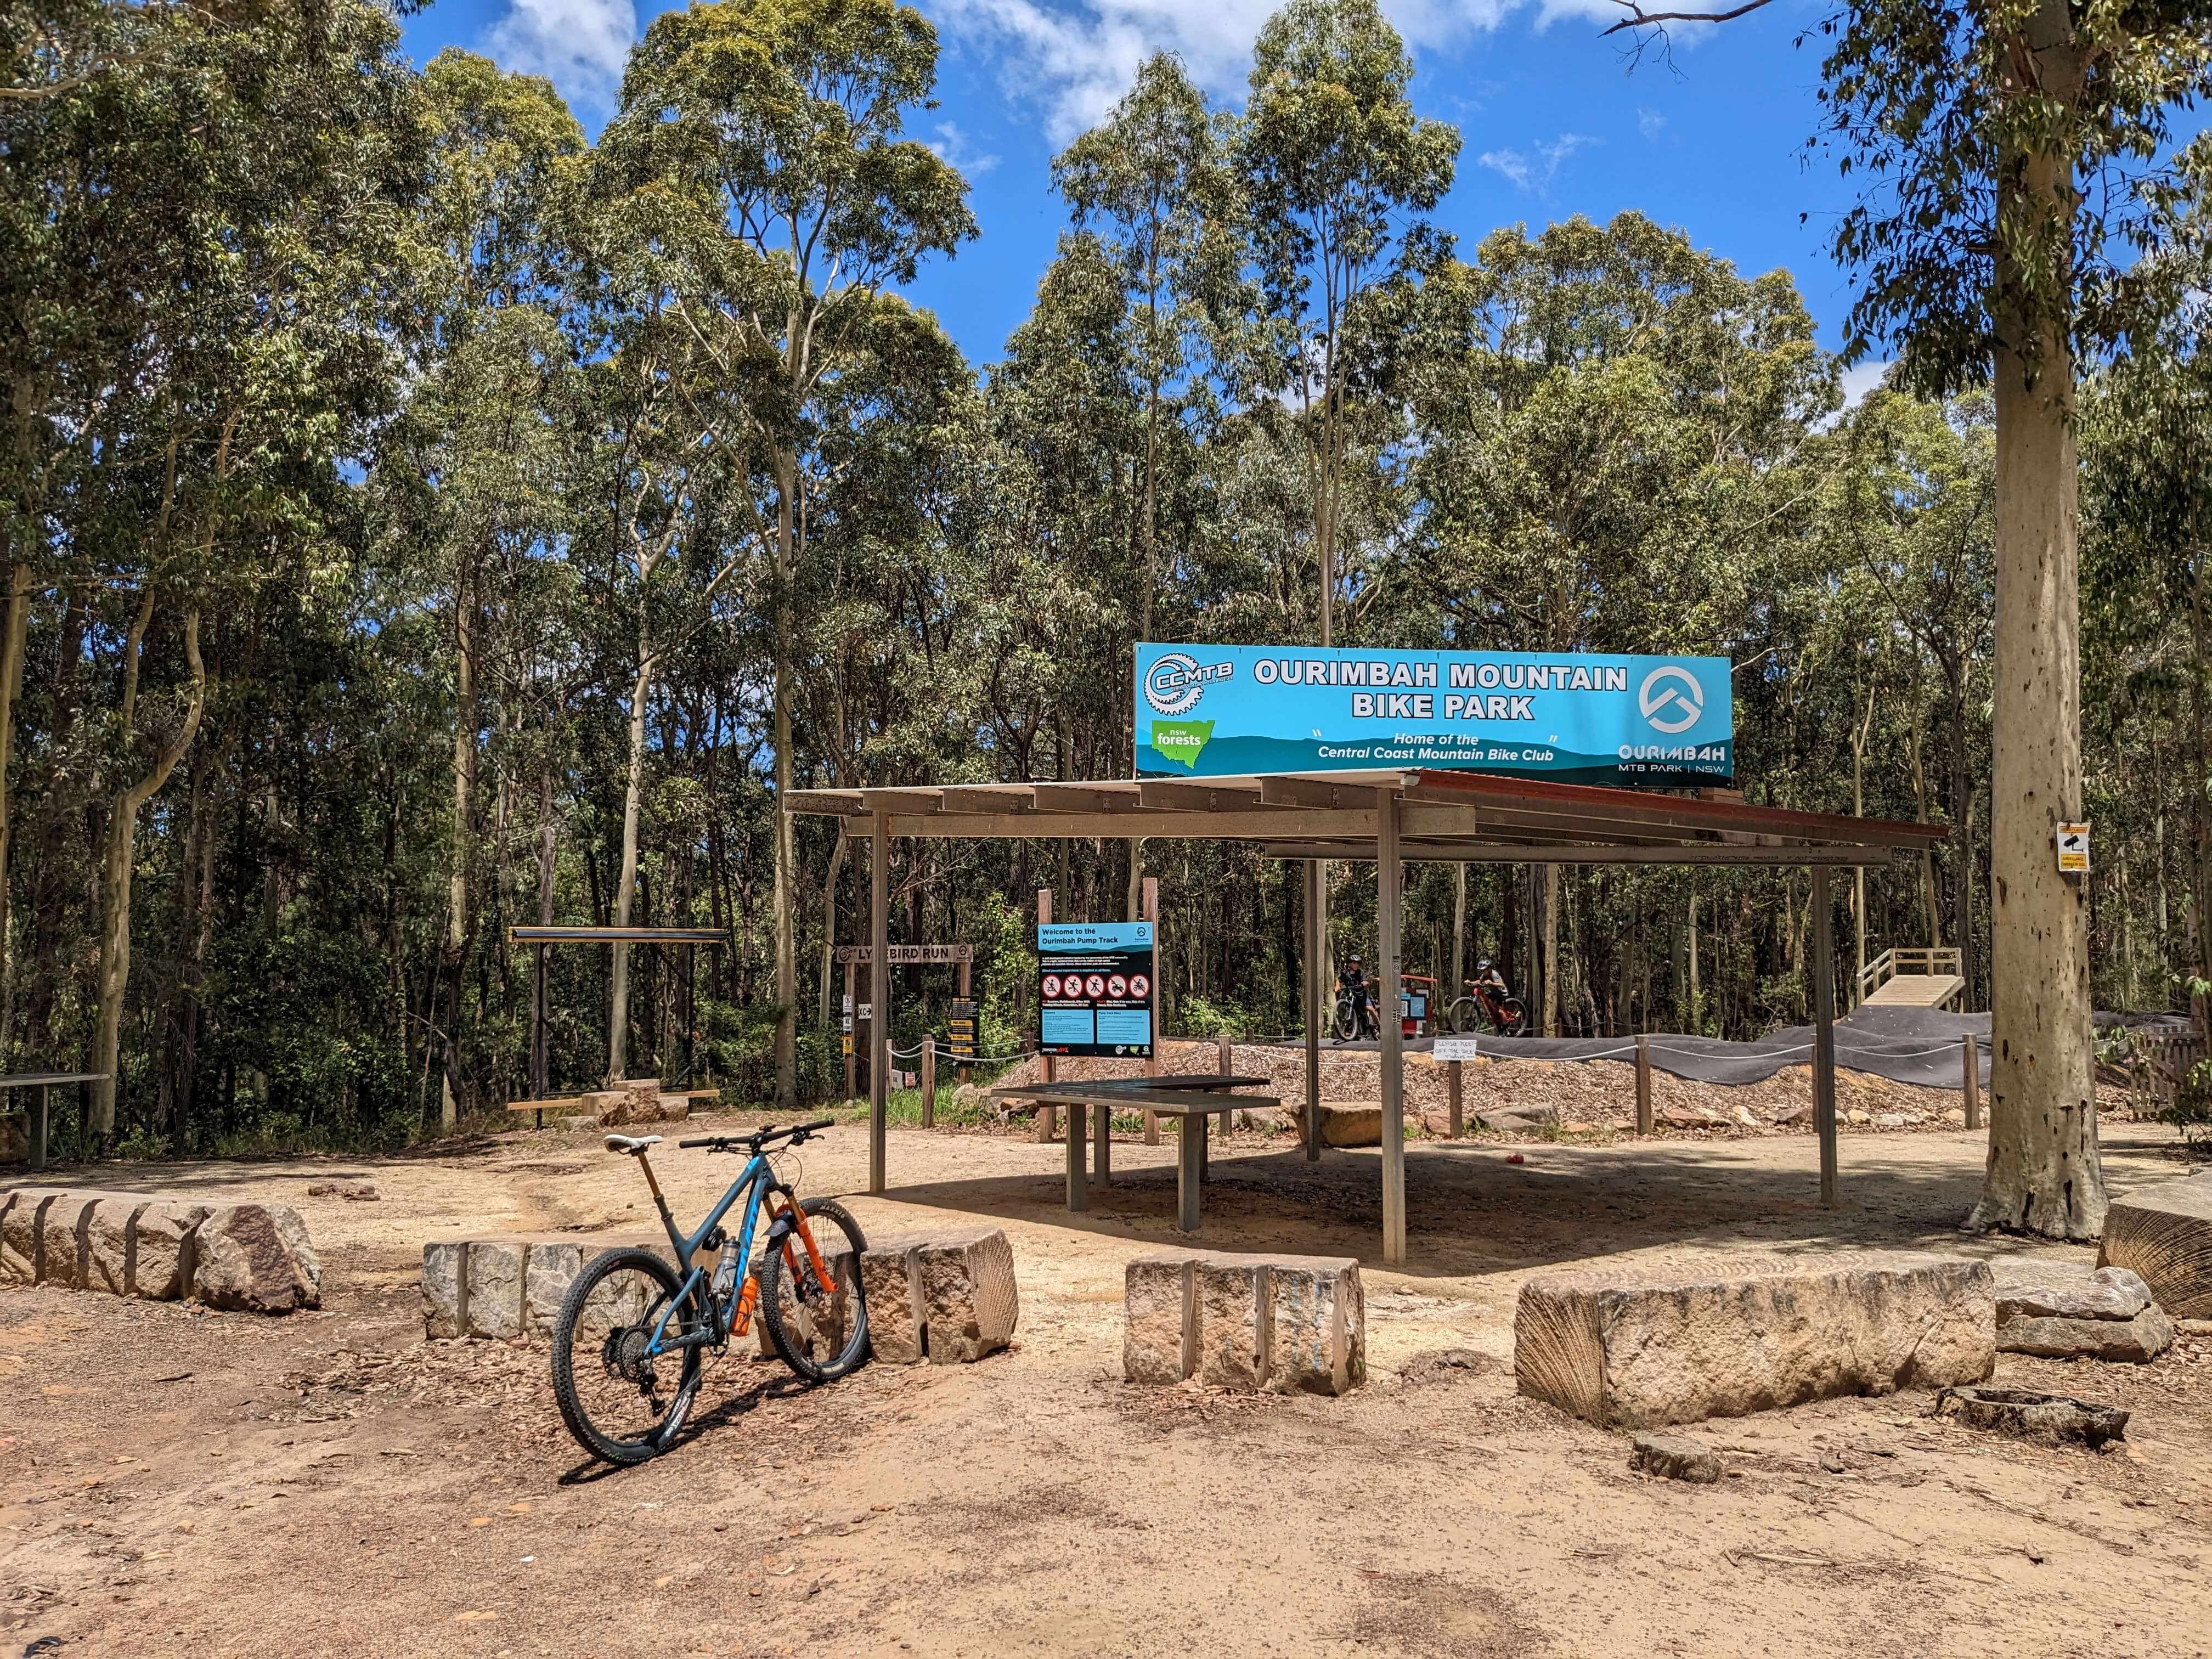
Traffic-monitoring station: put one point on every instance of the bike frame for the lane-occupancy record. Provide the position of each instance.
(756, 1185)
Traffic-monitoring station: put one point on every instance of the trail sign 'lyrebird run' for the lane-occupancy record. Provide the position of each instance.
(1236, 710)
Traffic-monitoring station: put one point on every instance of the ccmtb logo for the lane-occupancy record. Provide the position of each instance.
(1177, 680)
(1671, 699)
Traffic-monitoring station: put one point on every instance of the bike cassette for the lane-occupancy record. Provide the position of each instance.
(627, 1353)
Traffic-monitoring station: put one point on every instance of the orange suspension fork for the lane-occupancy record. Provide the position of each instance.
(813, 1251)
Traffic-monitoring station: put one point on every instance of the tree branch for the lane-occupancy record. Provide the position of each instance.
(1638, 18)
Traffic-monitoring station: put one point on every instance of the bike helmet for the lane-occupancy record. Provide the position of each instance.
(1484, 963)
(1353, 960)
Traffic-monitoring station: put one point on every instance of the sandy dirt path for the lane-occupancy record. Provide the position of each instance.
(177, 1481)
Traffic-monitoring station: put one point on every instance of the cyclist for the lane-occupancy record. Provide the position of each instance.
(1487, 978)
(1352, 982)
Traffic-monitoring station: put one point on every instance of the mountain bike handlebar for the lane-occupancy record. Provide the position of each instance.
(754, 1141)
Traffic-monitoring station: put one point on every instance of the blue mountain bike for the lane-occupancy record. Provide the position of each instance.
(634, 1333)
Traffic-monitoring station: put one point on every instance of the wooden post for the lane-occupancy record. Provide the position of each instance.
(1225, 1052)
(929, 1080)
(1152, 900)
(1824, 1034)
(1643, 1084)
(879, 996)
(1394, 1055)
(1970, 1078)
(1047, 1116)
(41, 1121)
(852, 1012)
(1452, 1091)
(1313, 1001)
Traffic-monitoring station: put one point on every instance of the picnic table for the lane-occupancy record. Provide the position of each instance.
(43, 1081)
(1193, 1097)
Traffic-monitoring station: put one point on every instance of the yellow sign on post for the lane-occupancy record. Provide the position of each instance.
(2073, 849)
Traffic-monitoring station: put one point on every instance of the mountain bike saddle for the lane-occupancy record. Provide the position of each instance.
(632, 1144)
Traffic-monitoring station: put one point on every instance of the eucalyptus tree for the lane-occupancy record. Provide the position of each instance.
(473, 474)
(772, 130)
(1334, 160)
(2020, 157)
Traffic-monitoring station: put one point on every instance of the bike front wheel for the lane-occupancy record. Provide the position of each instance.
(623, 1402)
(1512, 1016)
(820, 1330)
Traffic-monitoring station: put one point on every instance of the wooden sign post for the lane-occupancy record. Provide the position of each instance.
(1151, 905)
(1047, 1115)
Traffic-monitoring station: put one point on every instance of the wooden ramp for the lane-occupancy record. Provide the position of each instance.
(1906, 978)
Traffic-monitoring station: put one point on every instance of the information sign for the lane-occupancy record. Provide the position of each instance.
(2074, 849)
(1095, 989)
(1455, 1047)
(961, 1029)
(1236, 710)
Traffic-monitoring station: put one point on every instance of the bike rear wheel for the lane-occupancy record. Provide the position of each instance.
(821, 1331)
(1465, 1016)
(623, 1404)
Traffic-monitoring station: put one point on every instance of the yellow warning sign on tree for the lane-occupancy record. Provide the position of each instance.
(2074, 849)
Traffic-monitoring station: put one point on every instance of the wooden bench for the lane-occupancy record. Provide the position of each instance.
(1192, 1098)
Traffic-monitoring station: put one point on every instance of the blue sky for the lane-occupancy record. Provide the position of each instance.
(1552, 121)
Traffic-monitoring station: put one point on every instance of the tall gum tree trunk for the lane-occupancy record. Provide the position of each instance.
(626, 885)
(787, 934)
(116, 871)
(453, 958)
(2044, 1174)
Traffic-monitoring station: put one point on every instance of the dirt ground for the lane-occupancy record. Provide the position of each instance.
(172, 1480)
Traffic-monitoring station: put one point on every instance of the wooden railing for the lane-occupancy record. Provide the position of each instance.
(1907, 959)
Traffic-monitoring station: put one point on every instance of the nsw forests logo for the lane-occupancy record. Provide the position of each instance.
(1176, 680)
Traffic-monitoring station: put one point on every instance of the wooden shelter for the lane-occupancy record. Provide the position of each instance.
(1388, 818)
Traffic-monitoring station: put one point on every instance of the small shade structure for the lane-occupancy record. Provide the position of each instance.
(1387, 819)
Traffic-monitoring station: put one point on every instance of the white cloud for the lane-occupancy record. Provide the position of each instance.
(1077, 57)
(952, 145)
(580, 45)
(1651, 123)
(1860, 379)
(1534, 168)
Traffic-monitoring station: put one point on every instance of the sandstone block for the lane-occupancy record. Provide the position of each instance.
(256, 1258)
(968, 1281)
(1352, 1123)
(444, 1288)
(15, 1137)
(2136, 1341)
(162, 1244)
(1629, 1349)
(548, 1270)
(898, 1311)
(1317, 1325)
(108, 1246)
(641, 1097)
(1233, 1309)
(2165, 1234)
(674, 1109)
(607, 1108)
(61, 1242)
(492, 1304)
(1676, 1457)
(19, 1222)
(2028, 1289)
(1158, 1320)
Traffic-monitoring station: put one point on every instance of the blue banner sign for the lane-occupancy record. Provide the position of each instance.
(1095, 989)
(1238, 710)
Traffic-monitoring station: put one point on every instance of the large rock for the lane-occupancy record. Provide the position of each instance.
(14, 1138)
(256, 1258)
(609, 1107)
(20, 1215)
(63, 1245)
(968, 1282)
(548, 1270)
(1284, 1323)
(898, 1311)
(1629, 1349)
(162, 1244)
(2165, 1234)
(674, 1109)
(2135, 1341)
(108, 1245)
(1674, 1457)
(1316, 1325)
(1352, 1123)
(491, 1305)
(1233, 1306)
(445, 1288)
(1159, 1325)
(2029, 1289)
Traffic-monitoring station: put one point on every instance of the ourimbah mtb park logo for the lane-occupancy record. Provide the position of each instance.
(1176, 680)
(1671, 699)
